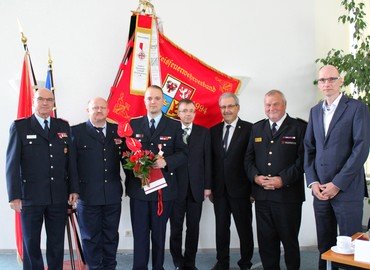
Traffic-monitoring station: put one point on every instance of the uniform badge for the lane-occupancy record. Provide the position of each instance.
(118, 141)
(62, 135)
(31, 137)
(139, 135)
(258, 139)
(165, 138)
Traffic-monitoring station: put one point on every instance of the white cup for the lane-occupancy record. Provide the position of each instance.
(344, 243)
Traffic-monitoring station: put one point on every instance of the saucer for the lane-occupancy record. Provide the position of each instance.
(344, 252)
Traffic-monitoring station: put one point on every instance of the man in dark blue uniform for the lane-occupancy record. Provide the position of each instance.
(41, 179)
(274, 162)
(98, 151)
(194, 180)
(155, 131)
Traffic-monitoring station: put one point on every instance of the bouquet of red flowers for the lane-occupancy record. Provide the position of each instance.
(138, 160)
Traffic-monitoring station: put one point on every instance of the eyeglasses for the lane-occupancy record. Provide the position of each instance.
(187, 111)
(96, 108)
(231, 106)
(328, 80)
(41, 99)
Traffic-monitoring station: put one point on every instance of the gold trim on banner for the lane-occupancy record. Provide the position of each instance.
(145, 7)
(203, 63)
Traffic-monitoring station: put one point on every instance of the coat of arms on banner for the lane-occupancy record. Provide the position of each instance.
(175, 90)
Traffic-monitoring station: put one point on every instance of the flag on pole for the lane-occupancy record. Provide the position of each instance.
(49, 84)
(24, 110)
(151, 58)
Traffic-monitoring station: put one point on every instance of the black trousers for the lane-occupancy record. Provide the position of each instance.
(241, 209)
(32, 217)
(278, 222)
(99, 234)
(148, 226)
(192, 210)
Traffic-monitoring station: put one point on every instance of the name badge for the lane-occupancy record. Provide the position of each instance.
(165, 138)
(31, 137)
(139, 135)
(258, 139)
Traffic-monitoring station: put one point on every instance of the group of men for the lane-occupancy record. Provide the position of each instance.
(233, 164)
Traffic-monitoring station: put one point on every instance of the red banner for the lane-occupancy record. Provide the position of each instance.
(183, 76)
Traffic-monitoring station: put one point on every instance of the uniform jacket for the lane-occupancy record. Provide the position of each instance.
(40, 169)
(281, 155)
(197, 170)
(339, 156)
(169, 134)
(228, 174)
(98, 164)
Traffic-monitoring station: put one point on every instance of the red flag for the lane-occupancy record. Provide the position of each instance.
(183, 76)
(24, 110)
(25, 92)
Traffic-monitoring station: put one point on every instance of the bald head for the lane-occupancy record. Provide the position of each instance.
(98, 111)
(43, 102)
(329, 82)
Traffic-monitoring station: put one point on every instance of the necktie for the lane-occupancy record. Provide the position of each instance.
(185, 135)
(152, 126)
(46, 127)
(226, 138)
(100, 132)
(273, 129)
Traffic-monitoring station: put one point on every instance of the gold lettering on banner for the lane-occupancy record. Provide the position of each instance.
(225, 86)
(169, 63)
(122, 107)
(201, 108)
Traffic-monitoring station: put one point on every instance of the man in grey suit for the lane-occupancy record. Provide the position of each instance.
(336, 148)
(194, 185)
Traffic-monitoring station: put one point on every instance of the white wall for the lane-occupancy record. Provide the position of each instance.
(274, 43)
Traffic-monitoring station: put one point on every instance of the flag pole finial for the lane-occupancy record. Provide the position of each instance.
(23, 37)
(145, 7)
(50, 61)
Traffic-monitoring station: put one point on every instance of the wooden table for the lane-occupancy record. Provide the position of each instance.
(330, 256)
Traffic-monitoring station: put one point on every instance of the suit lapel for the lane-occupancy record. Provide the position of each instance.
(235, 136)
(342, 106)
(145, 127)
(35, 125)
(320, 123)
(109, 133)
(92, 132)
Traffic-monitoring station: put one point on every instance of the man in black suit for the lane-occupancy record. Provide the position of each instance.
(230, 186)
(98, 151)
(194, 185)
(157, 133)
(274, 164)
(41, 179)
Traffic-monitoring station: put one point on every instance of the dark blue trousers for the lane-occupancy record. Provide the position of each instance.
(55, 216)
(146, 226)
(99, 234)
(330, 215)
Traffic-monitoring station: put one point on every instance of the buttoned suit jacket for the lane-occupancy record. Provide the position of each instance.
(98, 164)
(228, 174)
(339, 156)
(281, 155)
(168, 134)
(197, 170)
(40, 169)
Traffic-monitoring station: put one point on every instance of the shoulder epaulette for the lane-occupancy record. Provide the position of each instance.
(301, 120)
(260, 121)
(20, 119)
(137, 117)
